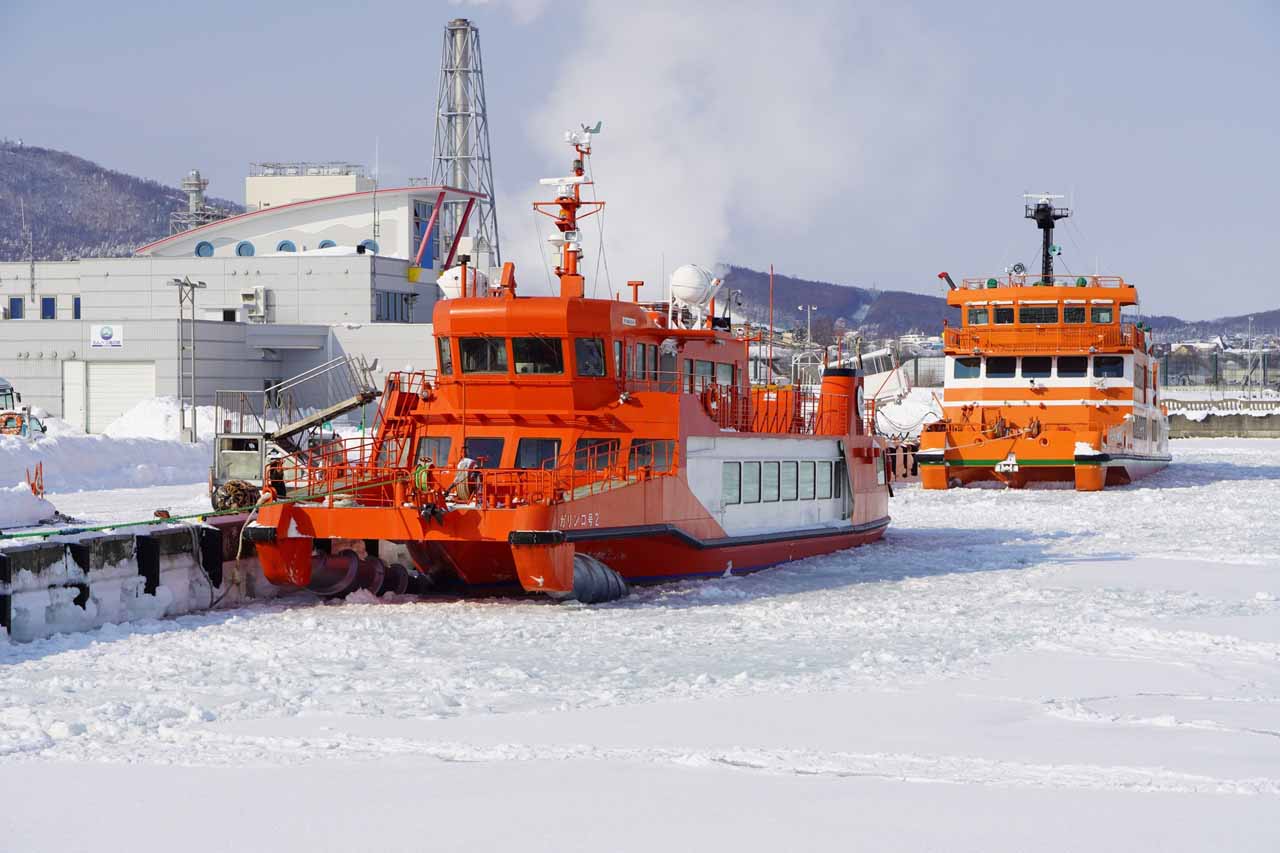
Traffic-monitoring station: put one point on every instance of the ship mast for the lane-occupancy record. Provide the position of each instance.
(565, 211)
(1045, 214)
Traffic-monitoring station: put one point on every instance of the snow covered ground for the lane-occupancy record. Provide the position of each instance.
(1038, 670)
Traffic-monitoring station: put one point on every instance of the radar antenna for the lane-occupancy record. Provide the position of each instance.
(1045, 215)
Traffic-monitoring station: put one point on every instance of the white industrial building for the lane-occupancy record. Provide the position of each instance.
(303, 277)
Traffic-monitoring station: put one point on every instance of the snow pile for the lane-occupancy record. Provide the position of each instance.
(906, 416)
(160, 418)
(20, 508)
(74, 461)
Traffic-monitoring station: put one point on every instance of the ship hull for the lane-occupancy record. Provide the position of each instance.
(1087, 472)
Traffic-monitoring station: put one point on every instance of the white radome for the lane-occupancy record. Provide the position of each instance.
(693, 285)
(450, 282)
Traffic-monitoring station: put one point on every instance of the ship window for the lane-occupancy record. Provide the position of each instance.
(769, 482)
(589, 353)
(1140, 428)
(1073, 366)
(48, 307)
(806, 481)
(787, 480)
(1001, 367)
(483, 355)
(617, 359)
(731, 482)
(487, 452)
(394, 453)
(968, 367)
(537, 355)
(824, 480)
(667, 375)
(15, 307)
(1073, 314)
(751, 482)
(704, 374)
(1036, 366)
(636, 367)
(595, 454)
(537, 453)
(978, 316)
(1037, 314)
(1004, 316)
(1103, 313)
(434, 449)
(724, 374)
(446, 356)
(1111, 366)
(653, 361)
(75, 308)
(840, 476)
(655, 453)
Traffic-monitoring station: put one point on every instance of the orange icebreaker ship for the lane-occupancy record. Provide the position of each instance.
(569, 446)
(1044, 381)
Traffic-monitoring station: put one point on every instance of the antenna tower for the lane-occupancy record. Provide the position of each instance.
(461, 159)
(1045, 214)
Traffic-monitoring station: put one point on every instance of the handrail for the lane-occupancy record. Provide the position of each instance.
(1029, 279)
(1043, 339)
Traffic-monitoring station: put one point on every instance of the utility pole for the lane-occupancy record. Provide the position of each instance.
(810, 308)
(186, 365)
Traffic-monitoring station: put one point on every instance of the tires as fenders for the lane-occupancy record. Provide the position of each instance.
(594, 582)
(234, 494)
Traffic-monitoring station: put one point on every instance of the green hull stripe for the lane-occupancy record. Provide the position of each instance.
(991, 463)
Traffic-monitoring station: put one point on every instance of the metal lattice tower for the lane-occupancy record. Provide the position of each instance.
(461, 158)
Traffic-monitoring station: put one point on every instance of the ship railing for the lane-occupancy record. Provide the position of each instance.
(786, 409)
(1030, 279)
(379, 472)
(1028, 339)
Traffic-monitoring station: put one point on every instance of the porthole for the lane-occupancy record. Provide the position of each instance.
(286, 246)
(327, 244)
(244, 249)
(204, 249)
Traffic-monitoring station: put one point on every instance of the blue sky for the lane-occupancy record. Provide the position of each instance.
(863, 143)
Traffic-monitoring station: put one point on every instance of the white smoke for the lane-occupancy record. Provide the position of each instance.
(730, 129)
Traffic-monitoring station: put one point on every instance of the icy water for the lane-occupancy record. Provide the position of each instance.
(1117, 650)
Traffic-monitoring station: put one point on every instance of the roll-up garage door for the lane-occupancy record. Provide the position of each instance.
(115, 387)
(73, 393)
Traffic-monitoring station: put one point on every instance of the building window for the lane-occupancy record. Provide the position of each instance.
(1073, 314)
(75, 308)
(434, 449)
(390, 307)
(595, 454)
(1004, 316)
(244, 249)
(370, 246)
(824, 481)
(286, 246)
(653, 453)
(731, 483)
(589, 353)
(806, 481)
(48, 307)
(537, 355)
(446, 356)
(788, 481)
(421, 218)
(1002, 367)
(978, 316)
(769, 482)
(483, 355)
(228, 315)
(1073, 366)
(487, 452)
(15, 307)
(1109, 366)
(751, 482)
(327, 244)
(1103, 314)
(204, 249)
(1037, 315)
(1036, 366)
(968, 367)
(538, 453)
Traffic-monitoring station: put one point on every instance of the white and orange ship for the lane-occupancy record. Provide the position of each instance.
(570, 446)
(1044, 382)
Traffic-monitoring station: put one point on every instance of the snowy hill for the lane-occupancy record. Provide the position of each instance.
(76, 208)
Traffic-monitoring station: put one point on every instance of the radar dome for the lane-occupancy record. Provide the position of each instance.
(693, 285)
(450, 282)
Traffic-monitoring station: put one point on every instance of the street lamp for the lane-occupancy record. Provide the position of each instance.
(810, 309)
(186, 366)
